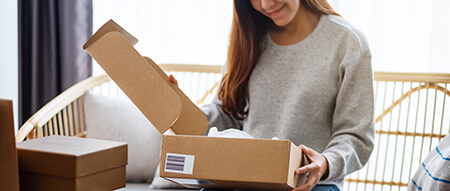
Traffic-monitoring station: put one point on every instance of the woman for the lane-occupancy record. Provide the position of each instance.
(298, 71)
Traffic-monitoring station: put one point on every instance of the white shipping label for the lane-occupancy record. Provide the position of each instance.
(178, 163)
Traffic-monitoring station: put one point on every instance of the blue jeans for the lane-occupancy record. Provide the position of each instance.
(325, 187)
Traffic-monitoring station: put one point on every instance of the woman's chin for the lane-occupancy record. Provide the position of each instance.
(280, 23)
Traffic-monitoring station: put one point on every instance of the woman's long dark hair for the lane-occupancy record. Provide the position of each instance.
(246, 45)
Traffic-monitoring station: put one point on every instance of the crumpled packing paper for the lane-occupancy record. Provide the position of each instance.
(231, 133)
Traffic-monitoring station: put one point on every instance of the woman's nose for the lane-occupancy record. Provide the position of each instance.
(267, 4)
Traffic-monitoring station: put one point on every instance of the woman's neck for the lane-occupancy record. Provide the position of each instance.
(301, 26)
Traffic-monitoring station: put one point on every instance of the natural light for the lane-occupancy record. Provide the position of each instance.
(404, 36)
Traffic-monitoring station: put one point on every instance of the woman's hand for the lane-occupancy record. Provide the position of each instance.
(173, 80)
(317, 167)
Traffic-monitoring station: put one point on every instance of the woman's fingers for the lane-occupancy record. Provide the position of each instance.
(317, 167)
(312, 180)
(307, 168)
(308, 151)
(173, 80)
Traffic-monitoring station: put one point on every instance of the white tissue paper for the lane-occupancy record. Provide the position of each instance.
(231, 133)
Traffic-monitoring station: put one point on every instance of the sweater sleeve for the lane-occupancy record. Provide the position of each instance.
(352, 137)
(215, 115)
(217, 118)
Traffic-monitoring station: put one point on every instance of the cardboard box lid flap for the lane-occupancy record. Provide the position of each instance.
(137, 79)
(192, 120)
(109, 27)
(148, 87)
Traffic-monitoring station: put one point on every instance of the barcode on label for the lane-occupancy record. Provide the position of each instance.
(178, 163)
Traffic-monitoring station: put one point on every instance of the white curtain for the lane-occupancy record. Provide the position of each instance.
(172, 31)
(404, 35)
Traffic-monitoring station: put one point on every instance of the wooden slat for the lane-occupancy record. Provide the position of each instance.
(55, 125)
(70, 120)
(404, 140)
(411, 134)
(424, 123)
(434, 116)
(397, 136)
(75, 115)
(45, 130)
(39, 132)
(26, 131)
(83, 128)
(50, 127)
(191, 68)
(83, 134)
(376, 182)
(60, 123)
(443, 112)
(412, 77)
(386, 149)
(66, 123)
(32, 134)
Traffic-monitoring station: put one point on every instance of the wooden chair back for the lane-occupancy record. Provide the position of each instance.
(412, 115)
(64, 115)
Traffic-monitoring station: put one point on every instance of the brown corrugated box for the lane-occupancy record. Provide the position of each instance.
(9, 171)
(194, 161)
(71, 164)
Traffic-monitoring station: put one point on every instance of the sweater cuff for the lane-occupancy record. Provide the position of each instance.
(333, 165)
(326, 174)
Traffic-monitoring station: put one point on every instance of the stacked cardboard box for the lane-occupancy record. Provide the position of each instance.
(9, 174)
(72, 164)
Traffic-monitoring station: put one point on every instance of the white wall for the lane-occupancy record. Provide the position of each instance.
(9, 54)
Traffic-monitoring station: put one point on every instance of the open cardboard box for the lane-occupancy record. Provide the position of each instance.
(188, 157)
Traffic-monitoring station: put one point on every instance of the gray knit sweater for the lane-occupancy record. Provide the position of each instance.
(318, 92)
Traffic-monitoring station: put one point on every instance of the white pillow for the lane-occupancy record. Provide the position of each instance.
(118, 119)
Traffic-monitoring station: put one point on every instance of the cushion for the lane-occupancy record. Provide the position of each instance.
(118, 119)
(161, 183)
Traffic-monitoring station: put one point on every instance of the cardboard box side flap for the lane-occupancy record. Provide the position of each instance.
(162, 102)
(295, 161)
